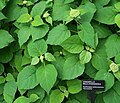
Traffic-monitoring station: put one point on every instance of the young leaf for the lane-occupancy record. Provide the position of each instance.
(35, 61)
(22, 99)
(58, 34)
(37, 21)
(10, 77)
(34, 97)
(72, 68)
(73, 44)
(24, 18)
(117, 20)
(56, 96)
(117, 6)
(5, 38)
(85, 56)
(49, 20)
(48, 74)
(25, 77)
(49, 57)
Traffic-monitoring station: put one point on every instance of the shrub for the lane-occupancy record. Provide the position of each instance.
(47, 47)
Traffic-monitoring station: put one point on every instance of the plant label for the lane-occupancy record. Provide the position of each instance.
(96, 85)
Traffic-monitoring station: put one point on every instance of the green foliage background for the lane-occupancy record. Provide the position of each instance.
(47, 47)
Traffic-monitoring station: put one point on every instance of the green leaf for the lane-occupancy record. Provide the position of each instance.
(39, 32)
(1, 68)
(72, 68)
(90, 70)
(10, 77)
(5, 55)
(59, 65)
(117, 58)
(56, 96)
(87, 34)
(25, 60)
(99, 99)
(102, 30)
(37, 21)
(25, 77)
(48, 74)
(35, 61)
(2, 16)
(38, 9)
(117, 6)
(112, 45)
(99, 59)
(24, 18)
(85, 56)
(73, 101)
(88, 10)
(116, 87)
(1, 88)
(101, 3)
(23, 34)
(49, 19)
(117, 20)
(111, 96)
(22, 99)
(108, 77)
(74, 86)
(59, 9)
(117, 75)
(37, 48)
(37, 92)
(2, 79)
(73, 44)
(5, 38)
(58, 34)
(49, 57)
(10, 89)
(68, 1)
(2, 4)
(13, 11)
(34, 97)
(105, 15)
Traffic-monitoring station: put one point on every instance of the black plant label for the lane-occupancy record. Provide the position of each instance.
(96, 85)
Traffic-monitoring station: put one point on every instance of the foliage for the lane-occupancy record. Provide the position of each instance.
(47, 47)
